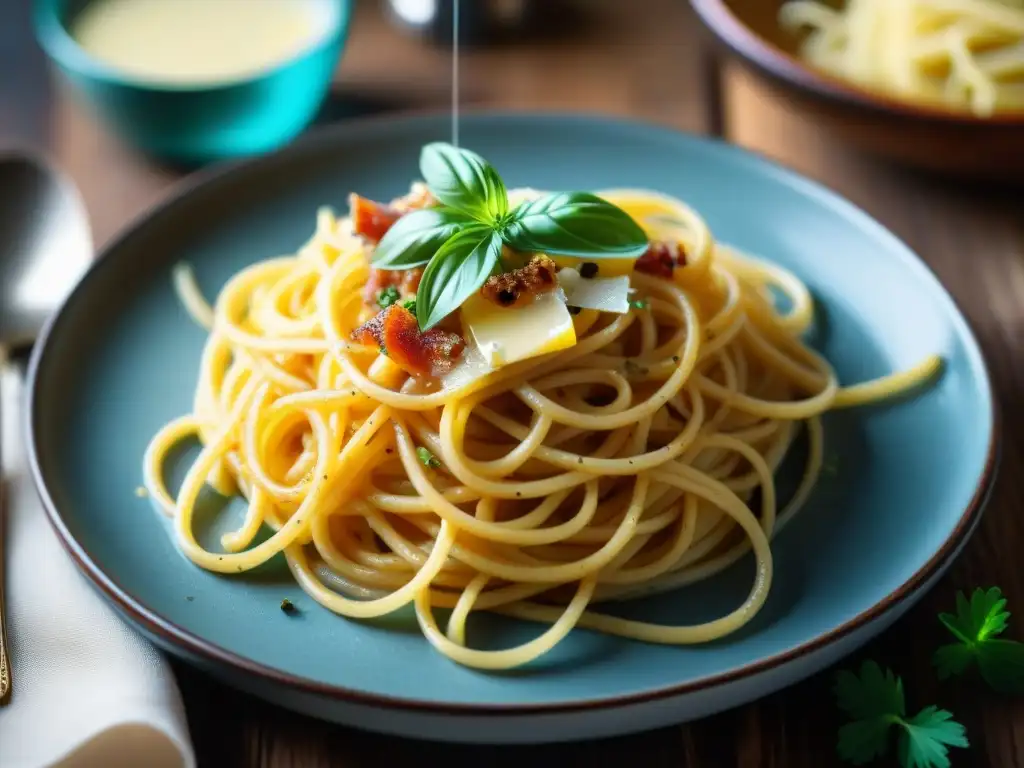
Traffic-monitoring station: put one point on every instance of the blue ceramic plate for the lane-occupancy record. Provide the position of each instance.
(909, 483)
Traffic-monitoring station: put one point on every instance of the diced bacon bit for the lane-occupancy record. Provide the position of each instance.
(407, 280)
(521, 285)
(661, 258)
(396, 332)
(370, 219)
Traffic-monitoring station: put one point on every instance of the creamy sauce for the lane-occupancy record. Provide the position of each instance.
(191, 42)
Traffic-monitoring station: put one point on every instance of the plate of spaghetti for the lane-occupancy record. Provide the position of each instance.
(578, 428)
(931, 84)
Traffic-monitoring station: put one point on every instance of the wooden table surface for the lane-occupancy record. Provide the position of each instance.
(650, 66)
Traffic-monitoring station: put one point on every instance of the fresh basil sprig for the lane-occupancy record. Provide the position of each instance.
(413, 240)
(463, 180)
(458, 269)
(575, 224)
(460, 241)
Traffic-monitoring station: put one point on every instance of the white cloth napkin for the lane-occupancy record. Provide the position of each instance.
(88, 692)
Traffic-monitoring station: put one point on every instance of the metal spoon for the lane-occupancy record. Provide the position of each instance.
(45, 246)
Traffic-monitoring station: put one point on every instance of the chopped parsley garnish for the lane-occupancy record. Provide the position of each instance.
(427, 459)
(639, 304)
(874, 701)
(388, 296)
(976, 626)
(410, 304)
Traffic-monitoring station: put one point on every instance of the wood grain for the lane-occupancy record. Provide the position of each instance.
(653, 66)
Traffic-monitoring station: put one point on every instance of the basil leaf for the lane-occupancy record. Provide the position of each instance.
(458, 269)
(575, 224)
(464, 181)
(415, 237)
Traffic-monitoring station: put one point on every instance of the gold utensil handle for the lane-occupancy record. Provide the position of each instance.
(5, 662)
(5, 659)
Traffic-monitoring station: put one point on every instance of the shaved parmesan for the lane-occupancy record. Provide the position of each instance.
(607, 294)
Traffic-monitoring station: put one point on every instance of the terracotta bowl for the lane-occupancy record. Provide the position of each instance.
(922, 136)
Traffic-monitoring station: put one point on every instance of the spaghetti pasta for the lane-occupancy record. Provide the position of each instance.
(966, 55)
(639, 459)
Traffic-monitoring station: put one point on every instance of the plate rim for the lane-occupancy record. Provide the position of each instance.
(194, 646)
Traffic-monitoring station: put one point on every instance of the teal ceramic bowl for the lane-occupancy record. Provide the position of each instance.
(909, 482)
(201, 123)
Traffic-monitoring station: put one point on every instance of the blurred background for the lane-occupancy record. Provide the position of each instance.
(728, 68)
(686, 65)
(590, 55)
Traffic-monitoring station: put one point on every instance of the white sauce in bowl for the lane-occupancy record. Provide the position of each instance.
(196, 42)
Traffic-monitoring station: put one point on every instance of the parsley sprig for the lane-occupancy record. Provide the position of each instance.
(875, 703)
(460, 241)
(427, 459)
(388, 296)
(976, 625)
